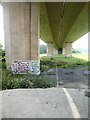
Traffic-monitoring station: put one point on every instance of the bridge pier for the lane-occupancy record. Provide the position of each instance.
(67, 50)
(51, 50)
(60, 51)
(21, 26)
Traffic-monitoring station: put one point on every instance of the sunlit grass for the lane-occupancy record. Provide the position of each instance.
(70, 59)
(81, 56)
(42, 55)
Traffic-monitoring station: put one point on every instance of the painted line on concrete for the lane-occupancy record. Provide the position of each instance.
(73, 107)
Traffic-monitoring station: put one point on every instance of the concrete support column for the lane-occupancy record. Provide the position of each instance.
(51, 50)
(21, 25)
(63, 50)
(55, 51)
(35, 31)
(68, 50)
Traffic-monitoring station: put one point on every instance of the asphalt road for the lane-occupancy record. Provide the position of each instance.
(44, 103)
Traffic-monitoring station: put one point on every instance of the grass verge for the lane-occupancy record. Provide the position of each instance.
(62, 62)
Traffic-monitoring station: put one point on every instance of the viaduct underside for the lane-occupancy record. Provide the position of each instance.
(58, 24)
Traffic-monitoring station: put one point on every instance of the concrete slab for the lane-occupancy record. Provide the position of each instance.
(44, 103)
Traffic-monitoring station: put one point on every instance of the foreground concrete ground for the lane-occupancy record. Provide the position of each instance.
(0, 105)
(44, 103)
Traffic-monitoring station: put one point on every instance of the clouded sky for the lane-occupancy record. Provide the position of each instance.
(1, 27)
(81, 42)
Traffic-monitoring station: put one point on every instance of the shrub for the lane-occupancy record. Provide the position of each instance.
(61, 62)
(3, 65)
(43, 82)
(44, 68)
(10, 81)
(47, 63)
(3, 59)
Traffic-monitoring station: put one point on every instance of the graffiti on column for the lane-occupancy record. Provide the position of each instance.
(32, 67)
(20, 67)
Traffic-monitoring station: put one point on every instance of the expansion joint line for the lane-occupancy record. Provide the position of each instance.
(60, 21)
(57, 76)
(60, 27)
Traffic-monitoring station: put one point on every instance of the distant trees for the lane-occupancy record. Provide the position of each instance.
(2, 52)
(43, 49)
(75, 51)
(1, 46)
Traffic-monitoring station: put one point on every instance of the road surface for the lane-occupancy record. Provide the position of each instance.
(44, 103)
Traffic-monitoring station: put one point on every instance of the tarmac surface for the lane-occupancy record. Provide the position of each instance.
(72, 78)
(44, 103)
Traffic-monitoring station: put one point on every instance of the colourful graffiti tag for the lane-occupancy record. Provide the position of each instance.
(20, 67)
(32, 67)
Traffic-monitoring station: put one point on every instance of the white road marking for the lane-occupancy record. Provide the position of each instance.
(73, 107)
(57, 77)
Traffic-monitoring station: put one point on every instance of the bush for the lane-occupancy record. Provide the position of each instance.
(10, 81)
(44, 68)
(43, 82)
(3, 65)
(62, 62)
(3, 59)
(47, 63)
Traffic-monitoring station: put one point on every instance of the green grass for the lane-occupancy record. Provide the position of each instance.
(70, 59)
(81, 56)
(42, 55)
(62, 62)
(74, 58)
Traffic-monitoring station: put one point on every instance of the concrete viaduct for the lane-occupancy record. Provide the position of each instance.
(58, 24)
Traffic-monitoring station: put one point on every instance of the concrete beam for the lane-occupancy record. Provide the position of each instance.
(35, 31)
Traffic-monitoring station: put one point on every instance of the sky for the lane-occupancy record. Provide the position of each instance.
(1, 27)
(80, 43)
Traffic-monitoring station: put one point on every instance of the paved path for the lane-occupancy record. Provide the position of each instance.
(0, 105)
(44, 103)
